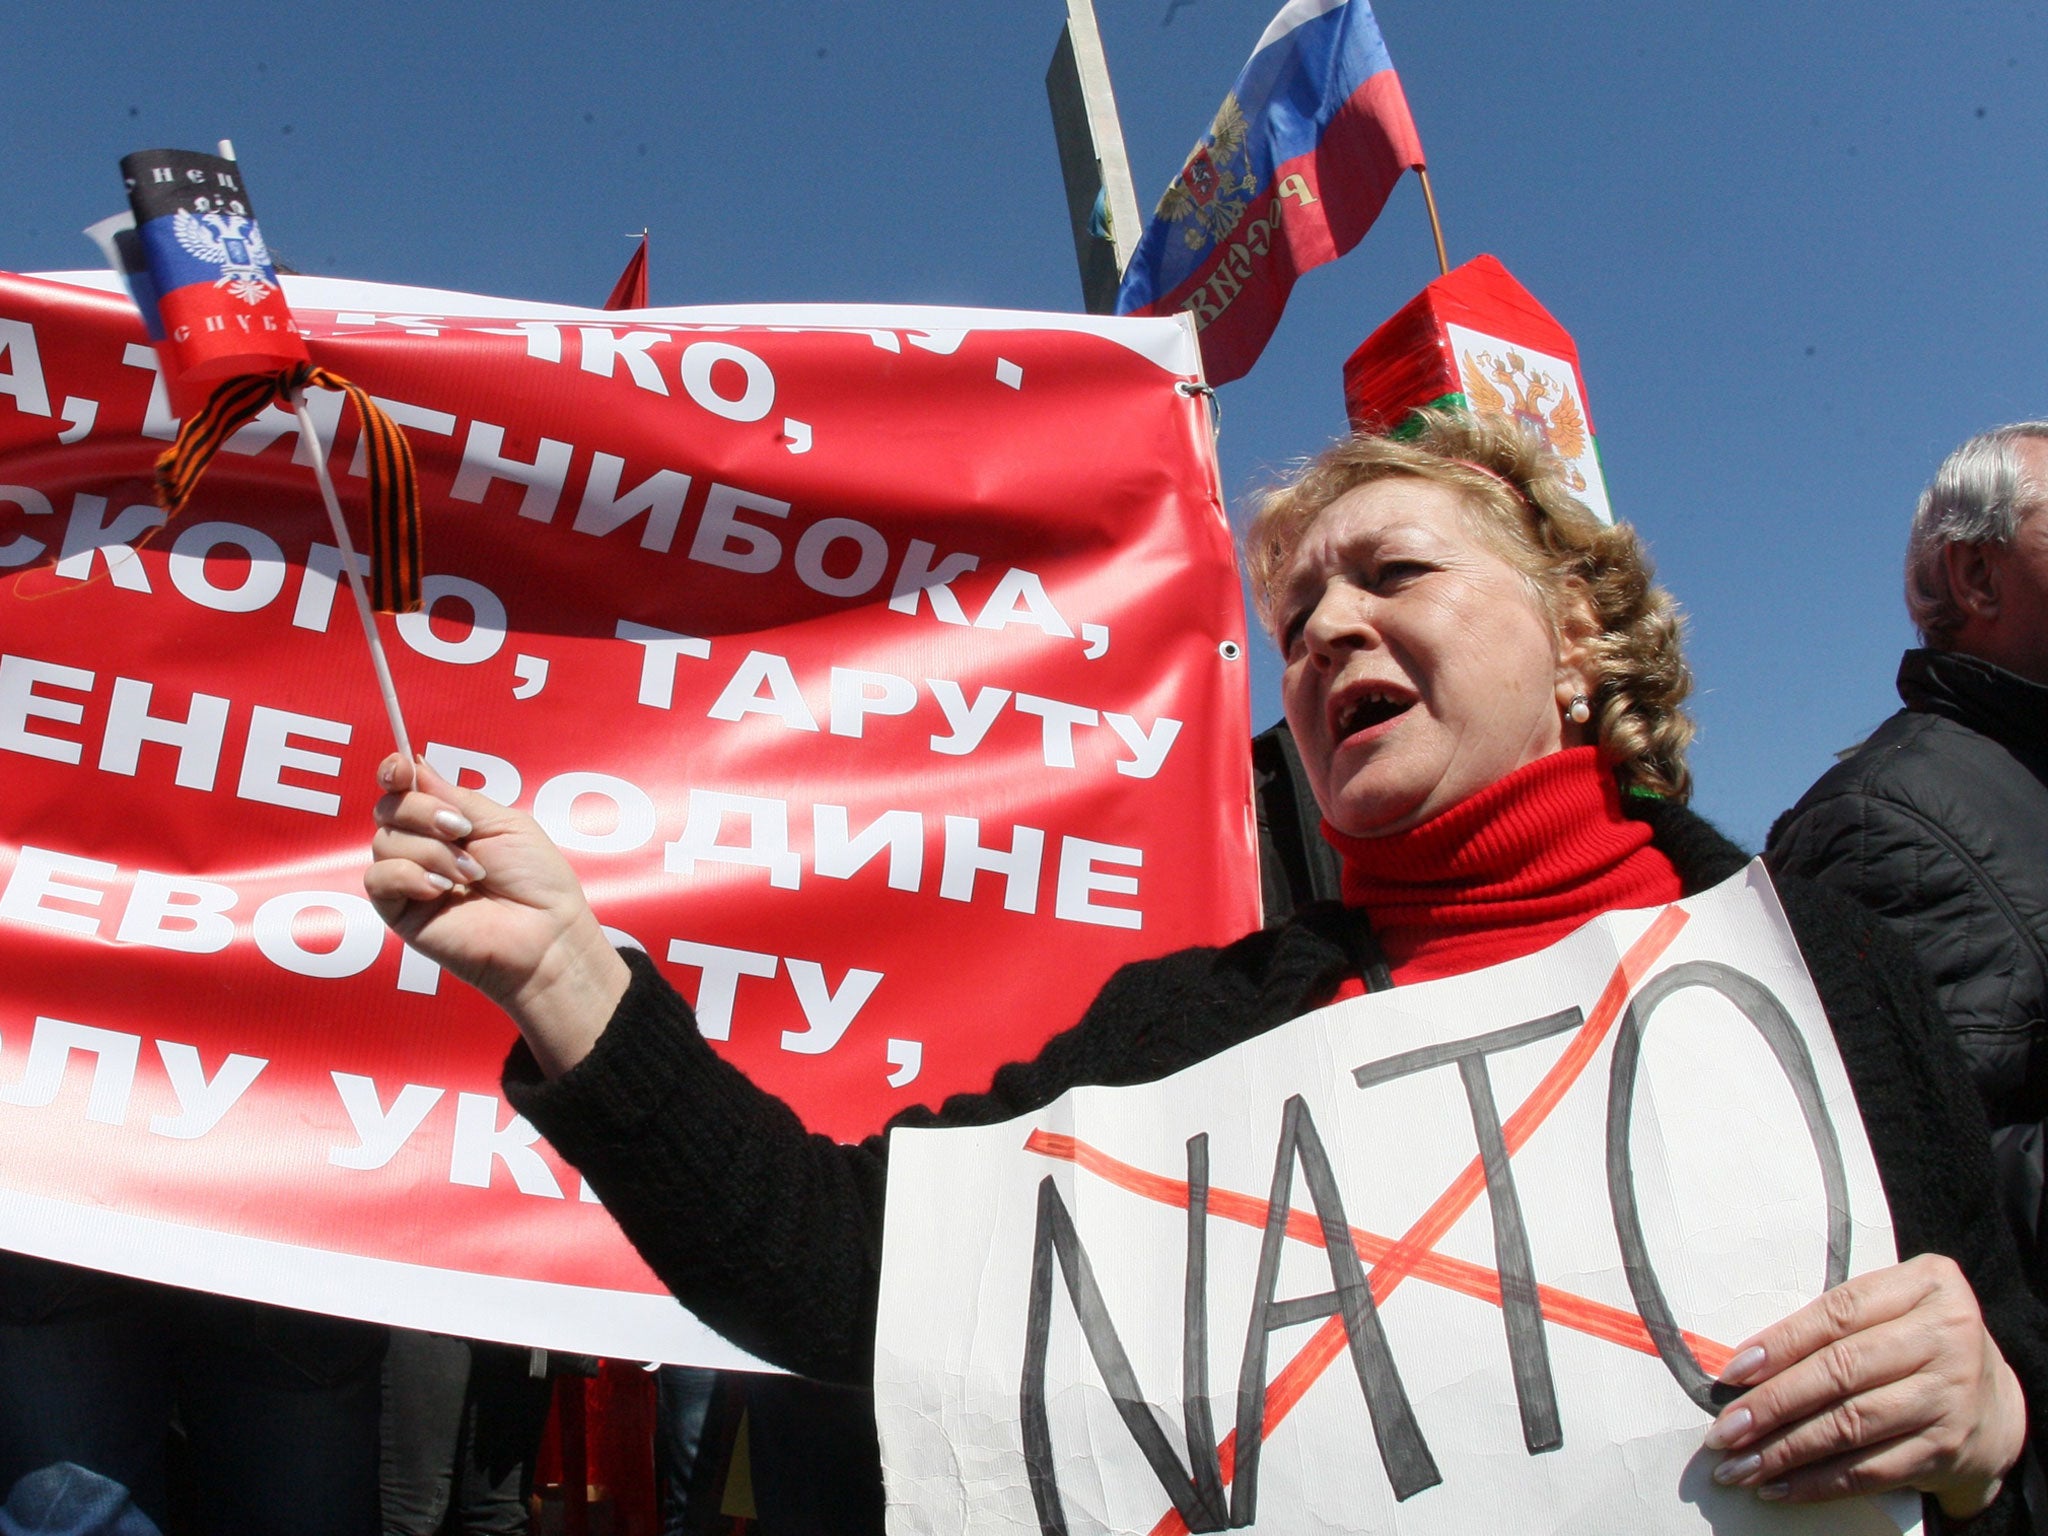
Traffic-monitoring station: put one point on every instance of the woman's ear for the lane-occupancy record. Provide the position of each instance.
(1576, 627)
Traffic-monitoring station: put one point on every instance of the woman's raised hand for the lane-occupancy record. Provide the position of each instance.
(1887, 1381)
(481, 891)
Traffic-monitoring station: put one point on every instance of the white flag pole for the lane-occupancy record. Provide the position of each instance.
(310, 436)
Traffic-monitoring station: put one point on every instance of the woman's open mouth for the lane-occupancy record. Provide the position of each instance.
(1369, 708)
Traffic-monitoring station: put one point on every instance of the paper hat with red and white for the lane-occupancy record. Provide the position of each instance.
(1477, 339)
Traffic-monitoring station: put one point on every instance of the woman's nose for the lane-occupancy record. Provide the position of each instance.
(1339, 621)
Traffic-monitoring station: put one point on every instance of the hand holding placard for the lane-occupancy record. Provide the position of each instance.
(1887, 1381)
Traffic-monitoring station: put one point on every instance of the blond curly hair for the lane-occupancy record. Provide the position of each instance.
(1514, 490)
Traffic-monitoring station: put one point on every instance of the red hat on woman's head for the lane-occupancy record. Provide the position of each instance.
(1477, 339)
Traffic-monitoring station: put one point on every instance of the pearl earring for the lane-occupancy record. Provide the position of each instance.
(1578, 711)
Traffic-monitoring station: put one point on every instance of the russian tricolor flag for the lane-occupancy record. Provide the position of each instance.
(1293, 172)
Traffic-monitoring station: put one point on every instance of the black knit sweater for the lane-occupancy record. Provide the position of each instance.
(773, 1235)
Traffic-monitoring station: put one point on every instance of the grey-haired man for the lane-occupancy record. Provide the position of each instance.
(1940, 820)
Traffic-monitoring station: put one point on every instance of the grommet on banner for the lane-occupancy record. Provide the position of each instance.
(1230, 650)
(1194, 387)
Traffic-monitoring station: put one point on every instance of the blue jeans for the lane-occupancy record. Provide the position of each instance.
(682, 1399)
(279, 1408)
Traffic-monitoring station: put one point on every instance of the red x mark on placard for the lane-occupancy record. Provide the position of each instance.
(1414, 1252)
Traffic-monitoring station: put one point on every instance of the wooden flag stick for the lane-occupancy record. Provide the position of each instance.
(310, 436)
(1443, 261)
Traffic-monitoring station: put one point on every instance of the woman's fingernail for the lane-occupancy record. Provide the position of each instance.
(440, 882)
(469, 866)
(1728, 1429)
(1774, 1491)
(1739, 1368)
(387, 774)
(452, 823)
(1736, 1468)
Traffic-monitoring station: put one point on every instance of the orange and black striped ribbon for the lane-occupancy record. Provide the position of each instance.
(394, 487)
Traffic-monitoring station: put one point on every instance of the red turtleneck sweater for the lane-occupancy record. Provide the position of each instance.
(1503, 874)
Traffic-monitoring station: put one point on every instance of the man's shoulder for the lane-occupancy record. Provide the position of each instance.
(1925, 821)
(1913, 759)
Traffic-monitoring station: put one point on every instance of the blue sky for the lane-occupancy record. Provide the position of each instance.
(1797, 243)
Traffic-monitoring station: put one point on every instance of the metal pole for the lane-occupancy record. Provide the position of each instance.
(1102, 205)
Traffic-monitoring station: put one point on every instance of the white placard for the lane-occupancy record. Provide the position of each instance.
(1655, 1105)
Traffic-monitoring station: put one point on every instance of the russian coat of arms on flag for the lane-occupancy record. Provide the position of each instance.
(1208, 198)
(1478, 339)
(1539, 391)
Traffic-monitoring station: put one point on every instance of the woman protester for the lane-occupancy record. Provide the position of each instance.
(1484, 686)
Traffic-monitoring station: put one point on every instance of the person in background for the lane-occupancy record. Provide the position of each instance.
(682, 1403)
(274, 1411)
(1484, 686)
(462, 1423)
(1939, 822)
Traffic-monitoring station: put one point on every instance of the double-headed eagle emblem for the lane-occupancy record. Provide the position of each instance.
(231, 242)
(1216, 184)
(1539, 402)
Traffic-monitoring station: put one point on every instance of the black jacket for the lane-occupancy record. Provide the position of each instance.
(1939, 822)
(784, 1258)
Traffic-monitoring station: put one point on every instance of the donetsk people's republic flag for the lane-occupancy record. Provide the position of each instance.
(220, 311)
(1299, 162)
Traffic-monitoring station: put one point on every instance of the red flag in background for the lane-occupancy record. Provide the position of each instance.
(630, 291)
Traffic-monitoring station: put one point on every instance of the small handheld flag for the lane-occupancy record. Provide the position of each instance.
(214, 306)
(209, 296)
(1300, 160)
(1478, 340)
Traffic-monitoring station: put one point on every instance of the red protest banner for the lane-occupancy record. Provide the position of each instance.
(880, 670)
